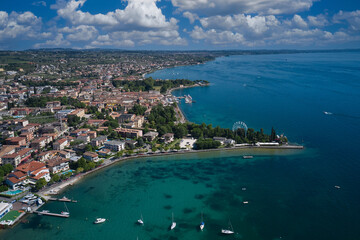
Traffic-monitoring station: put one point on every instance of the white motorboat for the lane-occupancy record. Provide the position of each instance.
(99, 220)
(228, 231)
(173, 224)
(141, 220)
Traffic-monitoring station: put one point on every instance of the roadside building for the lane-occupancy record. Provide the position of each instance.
(168, 138)
(57, 164)
(150, 136)
(91, 156)
(129, 133)
(220, 139)
(99, 141)
(115, 145)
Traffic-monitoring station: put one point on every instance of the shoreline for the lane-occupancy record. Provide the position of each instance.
(60, 187)
(182, 118)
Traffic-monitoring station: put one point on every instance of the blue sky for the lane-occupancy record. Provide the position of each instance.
(180, 24)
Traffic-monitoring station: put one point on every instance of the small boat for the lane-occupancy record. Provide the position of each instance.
(141, 220)
(245, 202)
(327, 113)
(99, 220)
(173, 224)
(202, 224)
(247, 157)
(338, 187)
(45, 211)
(228, 231)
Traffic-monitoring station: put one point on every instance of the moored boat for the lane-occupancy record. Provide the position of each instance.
(202, 224)
(229, 230)
(173, 224)
(99, 220)
(141, 220)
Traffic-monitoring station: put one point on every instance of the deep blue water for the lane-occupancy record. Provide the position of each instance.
(291, 194)
(291, 93)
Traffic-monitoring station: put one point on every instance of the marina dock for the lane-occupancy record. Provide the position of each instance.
(52, 214)
(62, 200)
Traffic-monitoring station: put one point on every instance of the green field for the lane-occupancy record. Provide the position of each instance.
(12, 215)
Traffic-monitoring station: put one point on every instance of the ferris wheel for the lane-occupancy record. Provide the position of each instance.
(238, 125)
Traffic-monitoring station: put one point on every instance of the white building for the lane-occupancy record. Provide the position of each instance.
(5, 208)
(115, 145)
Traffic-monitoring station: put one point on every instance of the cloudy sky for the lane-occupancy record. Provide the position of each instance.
(180, 24)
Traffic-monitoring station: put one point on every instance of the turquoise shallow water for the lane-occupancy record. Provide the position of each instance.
(291, 196)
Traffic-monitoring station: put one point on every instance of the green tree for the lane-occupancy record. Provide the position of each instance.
(56, 178)
(272, 135)
(7, 168)
(40, 184)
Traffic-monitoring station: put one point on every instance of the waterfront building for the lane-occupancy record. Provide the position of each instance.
(150, 136)
(91, 156)
(5, 208)
(115, 145)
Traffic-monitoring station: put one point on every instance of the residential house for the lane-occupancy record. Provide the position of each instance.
(28, 173)
(35, 170)
(78, 112)
(150, 136)
(91, 156)
(168, 138)
(53, 104)
(92, 134)
(84, 137)
(129, 133)
(124, 118)
(17, 157)
(16, 141)
(5, 150)
(99, 141)
(57, 164)
(27, 135)
(104, 152)
(60, 144)
(220, 139)
(40, 142)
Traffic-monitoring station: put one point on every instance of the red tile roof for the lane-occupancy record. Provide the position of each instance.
(30, 167)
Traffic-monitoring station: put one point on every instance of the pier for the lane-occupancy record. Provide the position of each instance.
(52, 214)
(64, 199)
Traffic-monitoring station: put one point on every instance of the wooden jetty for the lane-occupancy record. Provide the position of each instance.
(52, 214)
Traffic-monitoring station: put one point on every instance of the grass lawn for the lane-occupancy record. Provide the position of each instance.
(42, 120)
(12, 215)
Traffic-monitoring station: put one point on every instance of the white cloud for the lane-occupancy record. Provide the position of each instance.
(59, 41)
(191, 16)
(26, 25)
(352, 18)
(39, 3)
(318, 21)
(225, 7)
(138, 14)
(80, 33)
(247, 30)
(298, 22)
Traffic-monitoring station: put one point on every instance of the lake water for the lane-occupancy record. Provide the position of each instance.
(291, 194)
